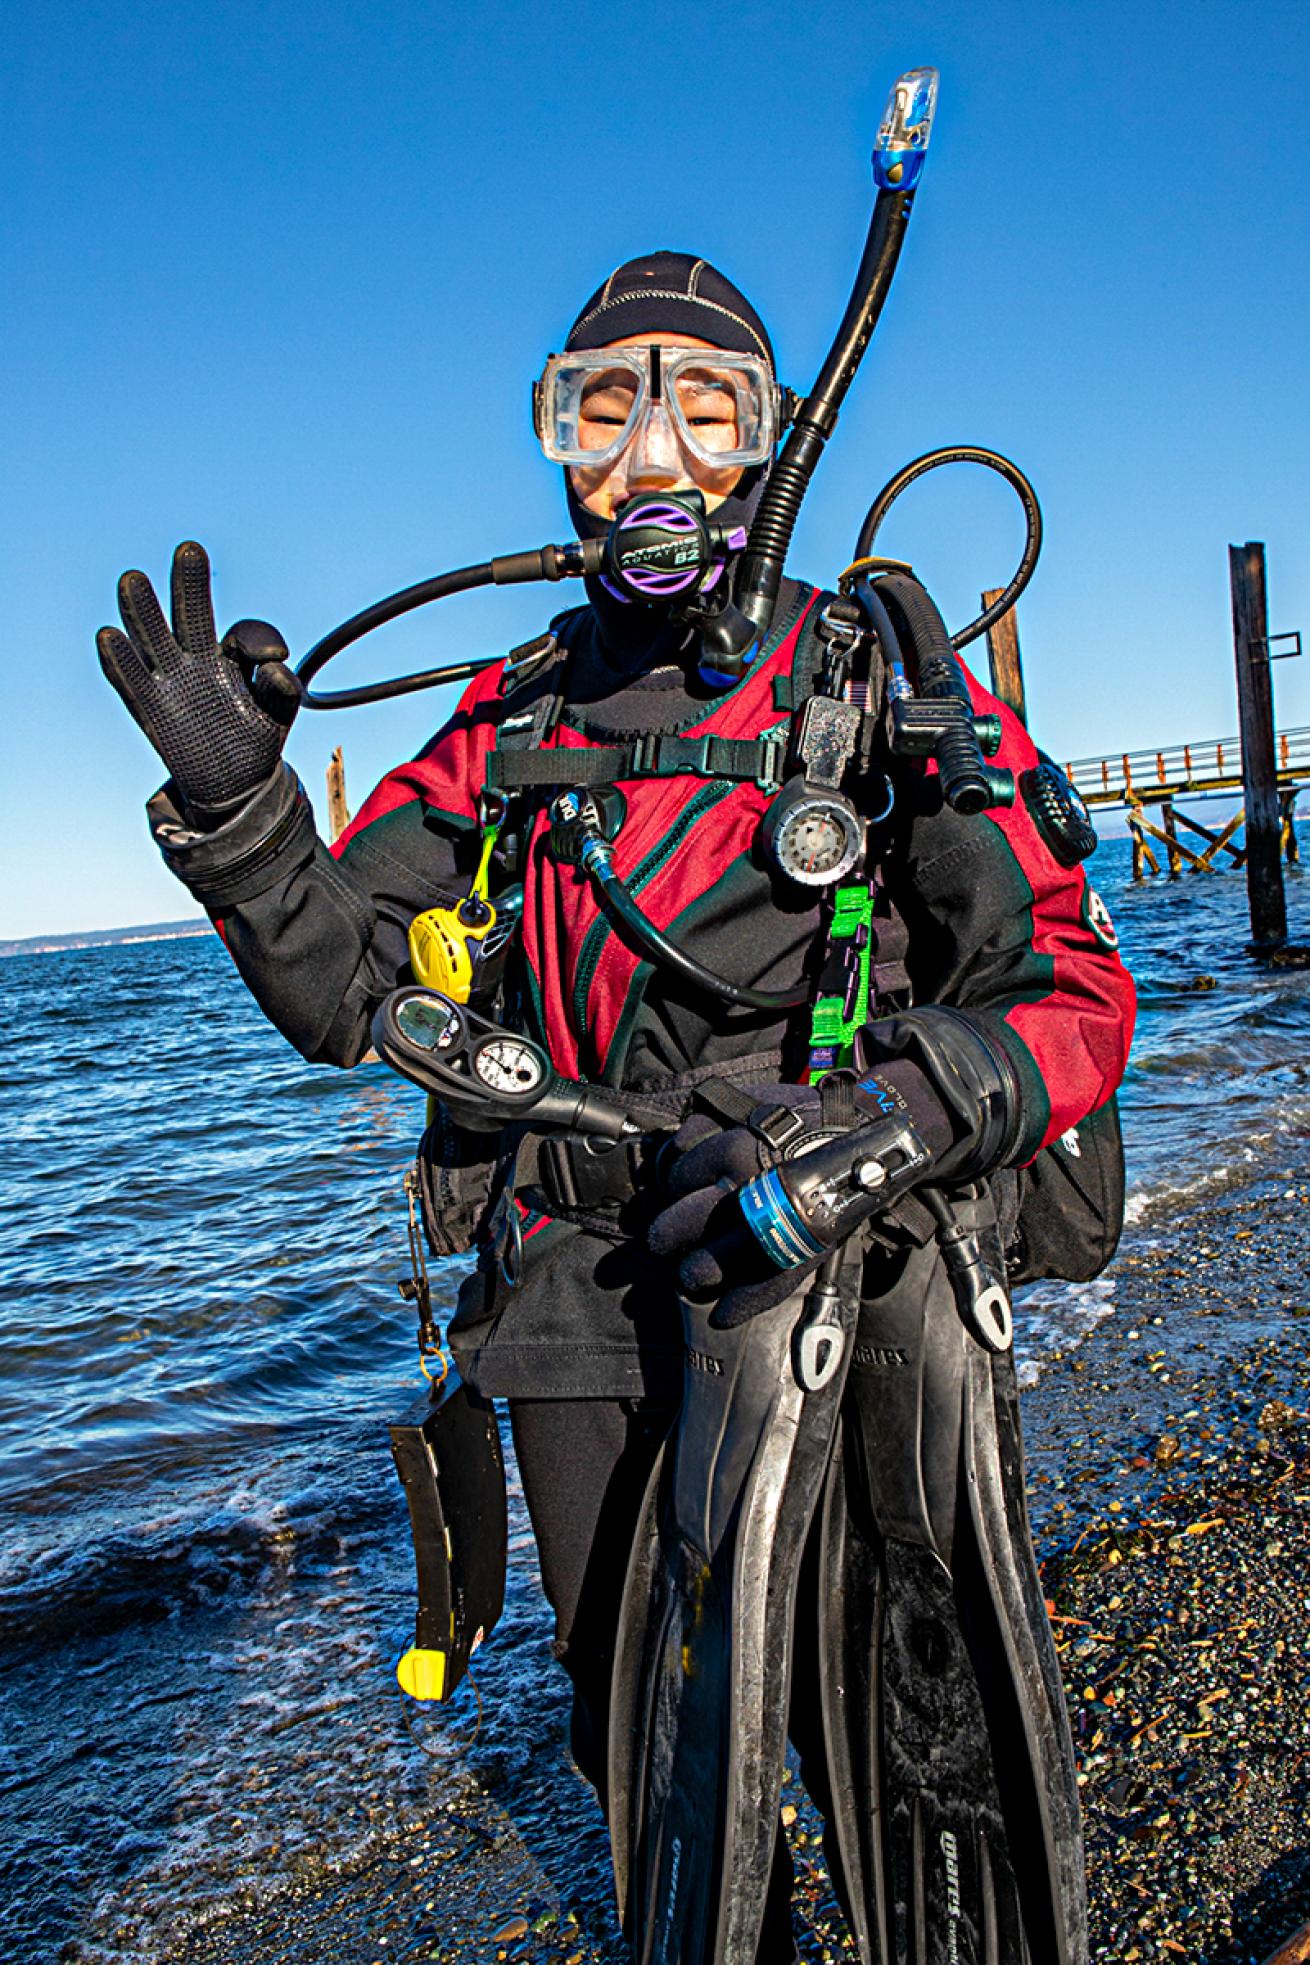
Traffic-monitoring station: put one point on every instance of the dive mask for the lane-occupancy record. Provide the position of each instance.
(725, 409)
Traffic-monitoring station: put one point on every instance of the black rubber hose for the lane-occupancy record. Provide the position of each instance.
(511, 569)
(460, 581)
(883, 626)
(788, 481)
(965, 785)
(670, 956)
(779, 508)
(991, 460)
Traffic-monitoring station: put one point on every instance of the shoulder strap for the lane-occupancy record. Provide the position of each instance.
(793, 690)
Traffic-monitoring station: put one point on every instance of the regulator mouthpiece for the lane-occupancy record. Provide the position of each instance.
(902, 140)
(662, 550)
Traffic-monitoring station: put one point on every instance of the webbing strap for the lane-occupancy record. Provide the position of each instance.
(730, 1105)
(793, 689)
(656, 754)
(837, 1105)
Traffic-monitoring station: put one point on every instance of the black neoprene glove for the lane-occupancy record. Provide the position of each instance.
(748, 1218)
(217, 715)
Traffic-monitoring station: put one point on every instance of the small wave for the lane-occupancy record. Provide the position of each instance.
(142, 1563)
(1055, 1317)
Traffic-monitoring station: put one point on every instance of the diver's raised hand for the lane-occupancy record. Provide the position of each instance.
(218, 714)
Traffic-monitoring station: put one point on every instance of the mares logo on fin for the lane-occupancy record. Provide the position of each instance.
(951, 1853)
(879, 1355)
(1097, 916)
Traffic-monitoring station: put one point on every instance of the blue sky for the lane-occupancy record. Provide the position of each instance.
(278, 278)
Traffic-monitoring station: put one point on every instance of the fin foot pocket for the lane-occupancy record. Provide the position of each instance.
(955, 1797)
(702, 1678)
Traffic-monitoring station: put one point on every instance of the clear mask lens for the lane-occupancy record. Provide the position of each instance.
(723, 410)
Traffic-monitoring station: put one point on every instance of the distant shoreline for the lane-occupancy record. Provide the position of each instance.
(151, 931)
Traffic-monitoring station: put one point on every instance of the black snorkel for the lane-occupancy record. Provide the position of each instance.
(733, 637)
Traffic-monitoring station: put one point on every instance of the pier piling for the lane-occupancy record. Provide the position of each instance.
(1171, 839)
(1255, 706)
(1291, 849)
(338, 810)
(1003, 656)
(1144, 859)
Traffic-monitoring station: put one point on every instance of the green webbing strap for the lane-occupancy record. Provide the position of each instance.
(842, 1006)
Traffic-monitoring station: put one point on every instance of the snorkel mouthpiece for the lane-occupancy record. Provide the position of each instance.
(902, 140)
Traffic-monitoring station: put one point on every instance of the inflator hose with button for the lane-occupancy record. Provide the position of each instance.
(597, 859)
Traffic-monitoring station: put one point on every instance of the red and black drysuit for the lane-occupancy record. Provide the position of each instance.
(993, 926)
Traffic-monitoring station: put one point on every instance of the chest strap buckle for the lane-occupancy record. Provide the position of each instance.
(658, 754)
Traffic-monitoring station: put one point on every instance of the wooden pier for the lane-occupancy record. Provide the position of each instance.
(1209, 770)
(1157, 780)
(1264, 767)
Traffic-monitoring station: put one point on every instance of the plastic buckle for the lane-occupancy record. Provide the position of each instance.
(693, 755)
(645, 754)
(773, 752)
(777, 1126)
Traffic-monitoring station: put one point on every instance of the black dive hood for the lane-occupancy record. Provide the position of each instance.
(650, 294)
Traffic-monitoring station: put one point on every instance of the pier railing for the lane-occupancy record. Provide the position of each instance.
(1182, 770)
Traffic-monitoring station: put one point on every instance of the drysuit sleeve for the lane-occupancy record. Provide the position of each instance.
(1016, 942)
(318, 932)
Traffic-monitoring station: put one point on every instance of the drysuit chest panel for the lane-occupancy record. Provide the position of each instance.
(688, 849)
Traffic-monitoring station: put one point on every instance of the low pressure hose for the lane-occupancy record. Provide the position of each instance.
(596, 858)
(991, 460)
(510, 569)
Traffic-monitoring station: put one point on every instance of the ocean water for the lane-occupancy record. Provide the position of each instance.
(204, 1571)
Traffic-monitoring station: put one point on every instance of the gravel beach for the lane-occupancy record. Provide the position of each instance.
(1169, 1460)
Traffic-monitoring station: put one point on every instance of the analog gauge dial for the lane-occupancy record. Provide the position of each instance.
(509, 1066)
(818, 840)
(432, 1023)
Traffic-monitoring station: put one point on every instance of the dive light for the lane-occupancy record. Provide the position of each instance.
(799, 1209)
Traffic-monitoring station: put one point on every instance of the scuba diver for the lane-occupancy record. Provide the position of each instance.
(830, 1046)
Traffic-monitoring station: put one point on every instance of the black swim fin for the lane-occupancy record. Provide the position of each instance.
(955, 1800)
(703, 1662)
